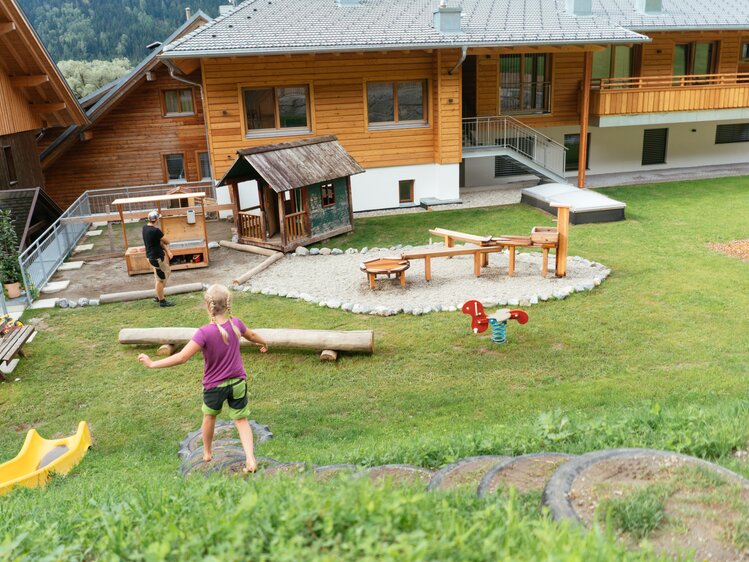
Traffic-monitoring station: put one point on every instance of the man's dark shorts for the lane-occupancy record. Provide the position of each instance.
(161, 269)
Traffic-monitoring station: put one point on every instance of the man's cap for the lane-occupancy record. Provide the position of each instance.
(153, 216)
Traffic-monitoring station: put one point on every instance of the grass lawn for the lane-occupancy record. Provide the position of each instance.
(657, 356)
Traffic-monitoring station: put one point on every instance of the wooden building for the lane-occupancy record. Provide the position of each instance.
(303, 192)
(444, 96)
(146, 128)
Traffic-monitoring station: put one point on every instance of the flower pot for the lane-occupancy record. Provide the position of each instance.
(13, 289)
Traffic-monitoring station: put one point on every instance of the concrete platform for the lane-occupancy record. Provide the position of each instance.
(585, 206)
(55, 287)
(43, 303)
(83, 248)
(71, 265)
(94, 233)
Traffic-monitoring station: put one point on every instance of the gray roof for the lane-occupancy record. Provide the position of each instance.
(282, 26)
(290, 165)
(676, 15)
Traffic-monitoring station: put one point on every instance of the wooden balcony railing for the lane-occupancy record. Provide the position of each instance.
(296, 226)
(251, 225)
(655, 94)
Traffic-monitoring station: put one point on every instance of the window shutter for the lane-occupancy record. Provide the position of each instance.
(737, 132)
(654, 143)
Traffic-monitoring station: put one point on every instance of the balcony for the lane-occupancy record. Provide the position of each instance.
(619, 101)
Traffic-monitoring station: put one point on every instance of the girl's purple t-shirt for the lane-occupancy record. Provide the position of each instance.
(220, 361)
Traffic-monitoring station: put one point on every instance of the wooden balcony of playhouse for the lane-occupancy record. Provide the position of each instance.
(669, 94)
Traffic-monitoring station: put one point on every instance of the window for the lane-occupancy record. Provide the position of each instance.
(396, 103)
(617, 61)
(327, 194)
(654, 143)
(406, 191)
(738, 132)
(695, 58)
(283, 108)
(178, 102)
(745, 52)
(572, 143)
(525, 86)
(175, 167)
(10, 165)
(204, 165)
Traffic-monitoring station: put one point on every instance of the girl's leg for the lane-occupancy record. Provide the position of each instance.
(245, 435)
(209, 424)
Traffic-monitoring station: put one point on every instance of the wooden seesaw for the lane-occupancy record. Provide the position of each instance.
(328, 342)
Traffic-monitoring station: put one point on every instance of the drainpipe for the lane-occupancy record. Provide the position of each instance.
(461, 60)
(175, 73)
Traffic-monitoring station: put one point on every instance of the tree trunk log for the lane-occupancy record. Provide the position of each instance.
(166, 350)
(149, 294)
(316, 340)
(247, 248)
(328, 355)
(257, 269)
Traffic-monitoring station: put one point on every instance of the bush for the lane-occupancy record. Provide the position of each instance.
(10, 271)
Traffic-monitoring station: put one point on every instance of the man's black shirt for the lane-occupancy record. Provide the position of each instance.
(152, 239)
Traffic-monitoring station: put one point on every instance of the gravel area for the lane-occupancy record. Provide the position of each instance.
(336, 281)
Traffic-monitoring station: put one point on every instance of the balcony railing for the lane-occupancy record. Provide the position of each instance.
(502, 131)
(654, 94)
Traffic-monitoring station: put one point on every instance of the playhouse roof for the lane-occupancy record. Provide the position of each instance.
(290, 165)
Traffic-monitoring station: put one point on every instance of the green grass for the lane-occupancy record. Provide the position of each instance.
(639, 513)
(657, 356)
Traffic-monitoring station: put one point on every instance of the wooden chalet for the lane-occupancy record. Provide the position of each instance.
(303, 192)
(33, 96)
(146, 128)
(453, 95)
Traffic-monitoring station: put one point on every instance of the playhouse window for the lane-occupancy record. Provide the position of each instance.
(327, 193)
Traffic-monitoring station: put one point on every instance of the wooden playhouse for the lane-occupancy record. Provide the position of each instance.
(303, 193)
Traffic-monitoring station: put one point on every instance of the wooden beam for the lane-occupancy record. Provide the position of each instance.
(7, 27)
(29, 81)
(46, 108)
(563, 226)
(584, 116)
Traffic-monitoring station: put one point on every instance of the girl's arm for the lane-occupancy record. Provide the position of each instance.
(177, 359)
(249, 335)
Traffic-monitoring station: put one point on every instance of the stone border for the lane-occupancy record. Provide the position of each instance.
(356, 308)
(483, 488)
(556, 493)
(443, 473)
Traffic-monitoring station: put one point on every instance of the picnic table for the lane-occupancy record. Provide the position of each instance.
(385, 266)
(11, 343)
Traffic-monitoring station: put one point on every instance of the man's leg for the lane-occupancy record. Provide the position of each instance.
(160, 290)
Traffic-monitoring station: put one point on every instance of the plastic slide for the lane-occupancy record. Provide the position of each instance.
(40, 457)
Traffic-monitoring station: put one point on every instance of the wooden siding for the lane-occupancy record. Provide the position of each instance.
(15, 114)
(129, 144)
(658, 56)
(25, 160)
(487, 85)
(337, 90)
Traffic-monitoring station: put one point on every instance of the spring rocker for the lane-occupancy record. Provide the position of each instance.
(480, 322)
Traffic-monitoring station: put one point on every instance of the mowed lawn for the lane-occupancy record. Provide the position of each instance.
(658, 355)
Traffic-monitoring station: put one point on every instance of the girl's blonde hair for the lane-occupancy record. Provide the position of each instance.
(218, 301)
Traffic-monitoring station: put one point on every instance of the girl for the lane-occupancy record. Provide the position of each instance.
(224, 377)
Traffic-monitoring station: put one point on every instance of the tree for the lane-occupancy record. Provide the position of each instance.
(87, 77)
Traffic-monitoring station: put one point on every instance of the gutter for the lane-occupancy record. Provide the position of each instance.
(461, 60)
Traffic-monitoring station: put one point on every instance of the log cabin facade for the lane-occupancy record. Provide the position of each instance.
(146, 128)
(446, 96)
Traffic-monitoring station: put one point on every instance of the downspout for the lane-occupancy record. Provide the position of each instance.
(461, 60)
(175, 73)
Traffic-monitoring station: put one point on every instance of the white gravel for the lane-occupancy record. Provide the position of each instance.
(337, 282)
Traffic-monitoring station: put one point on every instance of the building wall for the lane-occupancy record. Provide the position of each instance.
(129, 144)
(325, 219)
(15, 114)
(337, 86)
(25, 160)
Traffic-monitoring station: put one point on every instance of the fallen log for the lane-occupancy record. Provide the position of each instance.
(166, 350)
(149, 294)
(247, 248)
(317, 340)
(329, 355)
(258, 268)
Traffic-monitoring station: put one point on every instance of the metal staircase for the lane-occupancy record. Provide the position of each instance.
(506, 136)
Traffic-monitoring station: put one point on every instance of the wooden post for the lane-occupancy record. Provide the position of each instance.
(427, 268)
(511, 264)
(282, 219)
(305, 206)
(122, 221)
(109, 231)
(205, 228)
(166, 350)
(328, 355)
(545, 262)
(350, 203)
(234, 196)
(563, 223)
(584, 111)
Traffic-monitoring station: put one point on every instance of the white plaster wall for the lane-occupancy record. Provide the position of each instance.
(377, 188)
(480, 172)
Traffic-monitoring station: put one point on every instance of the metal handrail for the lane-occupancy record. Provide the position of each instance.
(504, 131)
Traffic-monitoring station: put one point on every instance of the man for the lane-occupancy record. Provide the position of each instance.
(158, 254)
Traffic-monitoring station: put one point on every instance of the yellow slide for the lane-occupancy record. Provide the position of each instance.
(39, 457)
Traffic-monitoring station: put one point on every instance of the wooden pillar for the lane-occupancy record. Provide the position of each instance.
(122, 222)
(234, 196)
(584, 111)
(282, 218)
(350, 203)
(563, 225)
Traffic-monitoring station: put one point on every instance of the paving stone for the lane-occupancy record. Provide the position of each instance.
(83, 248)
(70, 265)
(43, 303)
(99, 224)
(55, 287)
(94, 233)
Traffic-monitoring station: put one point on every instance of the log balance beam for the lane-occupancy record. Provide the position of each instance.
(324, 341)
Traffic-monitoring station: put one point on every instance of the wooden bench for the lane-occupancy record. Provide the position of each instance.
(11, 344)
(477, 252)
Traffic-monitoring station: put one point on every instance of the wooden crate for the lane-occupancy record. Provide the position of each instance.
(544, 235)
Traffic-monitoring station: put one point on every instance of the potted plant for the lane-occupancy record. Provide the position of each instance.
(10, 271)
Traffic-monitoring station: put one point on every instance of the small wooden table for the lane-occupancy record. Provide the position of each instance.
(385, 266)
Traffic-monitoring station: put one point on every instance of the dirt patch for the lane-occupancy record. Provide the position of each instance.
(290, 468)
(332, 471)
(526, 474)
(735, 248)
(467, 472)
(399, 474)
(700, 512)
(235, 466)
(221, 454)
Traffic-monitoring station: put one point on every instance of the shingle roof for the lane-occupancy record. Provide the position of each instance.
(676, 14)
(282, 26)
